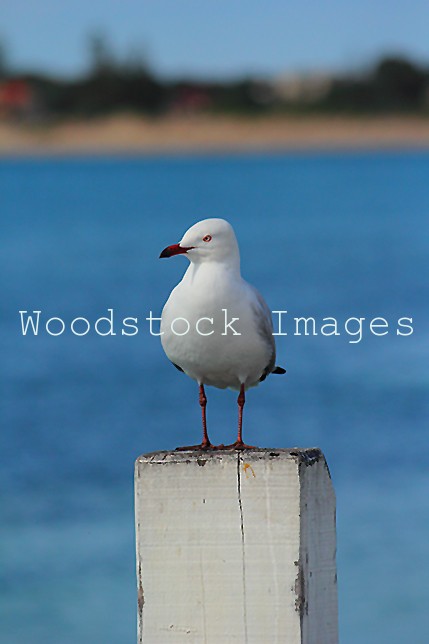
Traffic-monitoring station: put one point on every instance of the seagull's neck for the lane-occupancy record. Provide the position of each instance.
(199, 270)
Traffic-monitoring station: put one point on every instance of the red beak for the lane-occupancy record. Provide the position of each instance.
(175, 249)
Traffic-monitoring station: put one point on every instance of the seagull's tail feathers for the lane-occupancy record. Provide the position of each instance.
(278, 370)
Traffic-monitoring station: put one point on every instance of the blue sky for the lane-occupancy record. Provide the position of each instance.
(216, 37)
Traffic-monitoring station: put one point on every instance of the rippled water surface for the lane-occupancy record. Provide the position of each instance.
(338, 235)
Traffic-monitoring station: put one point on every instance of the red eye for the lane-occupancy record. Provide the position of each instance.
(207, 238)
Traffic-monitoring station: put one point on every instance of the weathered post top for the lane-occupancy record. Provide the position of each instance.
(236, 546)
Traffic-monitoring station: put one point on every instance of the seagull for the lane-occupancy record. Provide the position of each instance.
(215, 326)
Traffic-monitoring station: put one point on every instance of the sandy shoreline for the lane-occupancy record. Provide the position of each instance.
(130, 134)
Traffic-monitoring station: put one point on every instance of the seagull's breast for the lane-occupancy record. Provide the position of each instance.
(210, 328)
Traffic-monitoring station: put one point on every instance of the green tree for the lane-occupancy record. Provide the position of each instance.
(399, 84)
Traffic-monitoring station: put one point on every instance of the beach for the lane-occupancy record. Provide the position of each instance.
(124, 133)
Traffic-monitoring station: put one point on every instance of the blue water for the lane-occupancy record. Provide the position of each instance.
(336, 235)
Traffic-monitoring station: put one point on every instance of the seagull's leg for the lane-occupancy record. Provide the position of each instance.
(240, 400)
(203, 402)
(206, 444)
(239, 442)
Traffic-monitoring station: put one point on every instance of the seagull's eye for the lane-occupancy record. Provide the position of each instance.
(207, 238)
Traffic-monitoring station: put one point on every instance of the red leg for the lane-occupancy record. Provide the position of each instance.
(203, 403)
(206, 442)
(239, 442)
(240, 400)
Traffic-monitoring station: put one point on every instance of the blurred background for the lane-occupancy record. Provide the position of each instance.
(333, 230)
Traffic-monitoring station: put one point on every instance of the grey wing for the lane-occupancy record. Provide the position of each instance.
(265, 327)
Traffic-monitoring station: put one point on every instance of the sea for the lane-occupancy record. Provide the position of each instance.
(339, 235)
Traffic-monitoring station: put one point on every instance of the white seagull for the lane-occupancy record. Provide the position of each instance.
(215, 327)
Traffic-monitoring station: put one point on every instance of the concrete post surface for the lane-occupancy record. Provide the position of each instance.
(236, 547)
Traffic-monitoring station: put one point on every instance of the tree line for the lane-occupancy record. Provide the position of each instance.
(392, 85)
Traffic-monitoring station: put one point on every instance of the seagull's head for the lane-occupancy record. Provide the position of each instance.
(208, 240)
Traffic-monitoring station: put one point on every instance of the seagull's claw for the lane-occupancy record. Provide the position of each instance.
(202, 447)
(237, 445)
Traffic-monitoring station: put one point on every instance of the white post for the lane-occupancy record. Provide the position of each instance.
(236, 547)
